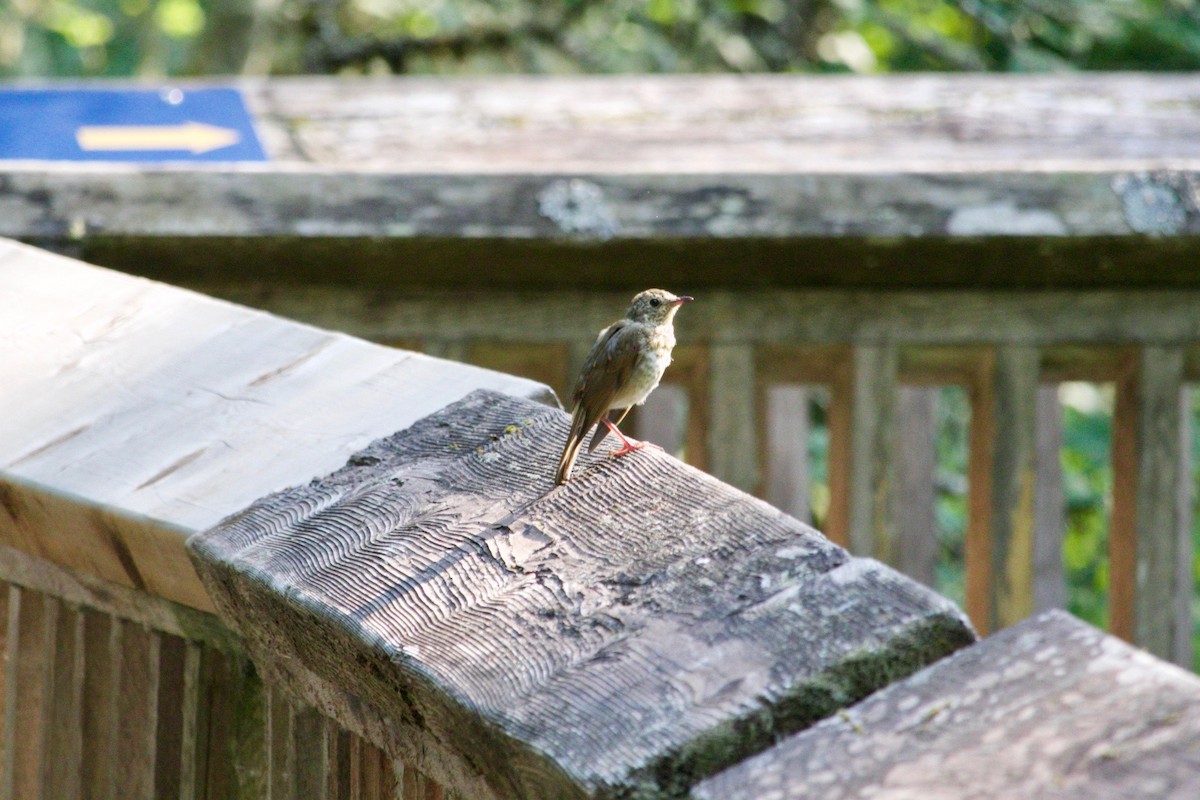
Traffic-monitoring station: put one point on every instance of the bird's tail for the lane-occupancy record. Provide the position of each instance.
(571, 451)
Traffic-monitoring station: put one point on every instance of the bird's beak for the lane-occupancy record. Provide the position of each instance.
(683, 299)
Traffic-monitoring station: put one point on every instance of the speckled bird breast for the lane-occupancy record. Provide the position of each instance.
(653, 360)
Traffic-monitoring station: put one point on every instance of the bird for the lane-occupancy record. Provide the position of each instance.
(623, 367)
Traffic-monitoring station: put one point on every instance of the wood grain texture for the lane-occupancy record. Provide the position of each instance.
(633, 630)
(1050, 708)
(136, 413)
(763, 123)
(1000, 502)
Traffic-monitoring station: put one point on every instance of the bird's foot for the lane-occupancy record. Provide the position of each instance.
(630, 445)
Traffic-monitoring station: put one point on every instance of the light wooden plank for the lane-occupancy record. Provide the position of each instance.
(1001, 472)
(1144, 532)
(1049, 504)
(131, 429)
(916, 466)
(733, 427)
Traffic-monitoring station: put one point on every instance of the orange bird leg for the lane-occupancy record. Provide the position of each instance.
(627, 445)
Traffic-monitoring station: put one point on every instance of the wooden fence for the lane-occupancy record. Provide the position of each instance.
(872, 236)
(410, 609)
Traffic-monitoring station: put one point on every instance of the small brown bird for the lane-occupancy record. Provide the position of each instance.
(622, 369)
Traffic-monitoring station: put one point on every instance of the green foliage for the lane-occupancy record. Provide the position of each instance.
(188, 37)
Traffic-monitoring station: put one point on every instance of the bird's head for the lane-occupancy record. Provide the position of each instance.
(655, 306)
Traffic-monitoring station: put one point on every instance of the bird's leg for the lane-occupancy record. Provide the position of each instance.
(627, 445)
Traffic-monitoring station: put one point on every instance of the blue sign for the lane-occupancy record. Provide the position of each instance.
(169, 124)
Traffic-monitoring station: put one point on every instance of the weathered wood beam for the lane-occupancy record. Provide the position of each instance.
(801, 327)
(764, 123)
(629, 632)
(901, 181)
(1067, 712)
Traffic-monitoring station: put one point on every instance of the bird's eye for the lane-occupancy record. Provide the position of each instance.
(655, 302)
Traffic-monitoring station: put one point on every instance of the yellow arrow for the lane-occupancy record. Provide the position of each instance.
(195, 137)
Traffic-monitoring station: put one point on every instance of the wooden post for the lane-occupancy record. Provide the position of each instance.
(1182, 653)
(870, 480)
(999, 547)
(788, 475)
(1049, 512)
(1143, 539)
(733, 427)
(916, 524)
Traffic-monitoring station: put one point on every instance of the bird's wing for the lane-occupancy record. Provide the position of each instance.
(605, 370)
(608, 367)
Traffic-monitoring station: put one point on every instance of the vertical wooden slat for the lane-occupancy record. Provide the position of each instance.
(8, 629)
(1143, 543)
(1049, 510)
(170, 710)
(999, 547)
(280, 750)
(869, 483)
(733, 427)
(12, 649)
(138, 712)
(29, 668)
(916, 523)
(64, 711)
(339, 761)
(840, 420)
(233, 721)
(312, 754)
(1183, 651)
(101, 691)
(786, 443)
(190, 740)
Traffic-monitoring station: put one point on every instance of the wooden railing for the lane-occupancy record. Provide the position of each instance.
(878, 355)
(436, 620)
(872, 236)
